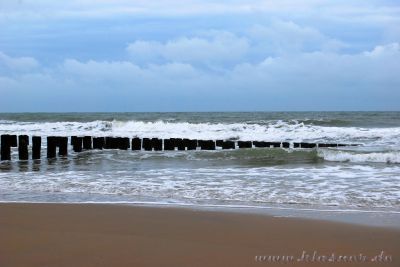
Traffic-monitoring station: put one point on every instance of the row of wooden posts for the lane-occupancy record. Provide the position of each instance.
(124, 143)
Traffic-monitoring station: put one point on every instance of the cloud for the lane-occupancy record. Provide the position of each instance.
(216, 48)
(281, 37)
(309, 80)
(17, 63)
(223, 49)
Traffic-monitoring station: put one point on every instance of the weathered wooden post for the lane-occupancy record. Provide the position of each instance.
(260, 144)
(123, 143)
(178, 142)
(147, 144)
(192, 144)
(285, 144)
(245, 144)
(307, 145)
(23, 142)
(168, 144)
(13, 140)
(111, 143)
(87, 142)
(228, 145)
(206, 144)
(219, 143)
(51, 147)
(156, 144)
(5, 147)
(62, 143)
(108, 141)
(136, 143)
(275, 144)
(36, 147)
(327, 145)
(76, 143)
(98, 142)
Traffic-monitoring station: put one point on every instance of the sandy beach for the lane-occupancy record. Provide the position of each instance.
(117, 235)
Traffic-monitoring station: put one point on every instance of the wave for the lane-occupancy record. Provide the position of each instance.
(268, 131)
(357, 157)
(275, 156)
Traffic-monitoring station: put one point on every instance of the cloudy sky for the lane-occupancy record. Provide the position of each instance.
(170, 55)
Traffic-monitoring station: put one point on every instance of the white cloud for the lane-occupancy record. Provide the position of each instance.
(217, 48)
(282, 37)
(388, 50)
(17, 63)
(327, 79)
(223, 50)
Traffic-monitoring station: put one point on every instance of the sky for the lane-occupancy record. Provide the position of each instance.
(170, 55)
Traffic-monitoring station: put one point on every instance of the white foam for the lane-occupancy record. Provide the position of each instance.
(349, 156)
(341, 186)
(270, 131)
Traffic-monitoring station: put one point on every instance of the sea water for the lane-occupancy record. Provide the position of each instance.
(364, 177)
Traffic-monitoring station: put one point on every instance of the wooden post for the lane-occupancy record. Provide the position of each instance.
(73, 140)
(108, 142)
(275, 144)
(136, 143)
(23, 142)
(228, 145)
(36, 147)
(156, 144)
(13, 140)
(98, 142)
(5, 147)
(285, 144)
(111, 143)
(219, 143)
(168, 144)
(123, 143)
(62, 143)
(245, 144)
(147, 144)
(308, 145)
(178, 142)
(51, 147)
(87, 142)
(323, 145)
(260, 144)
(76, 143)
(192, 144)
(206, 144)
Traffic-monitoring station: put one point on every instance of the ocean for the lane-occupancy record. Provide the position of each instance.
(364, 177)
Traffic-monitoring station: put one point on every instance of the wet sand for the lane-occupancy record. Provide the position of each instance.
(117, 235)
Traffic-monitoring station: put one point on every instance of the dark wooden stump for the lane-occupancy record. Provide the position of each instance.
(36, 147)
(136, 143)
(5, 147)
(156, 144)
(98, 142)
(51, 147)
(228, 145)
(62, 146)
(23, 143)
(245, 144)
(147, 144)
(87, 142)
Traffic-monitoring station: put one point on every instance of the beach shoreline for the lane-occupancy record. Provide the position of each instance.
(128, 235)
